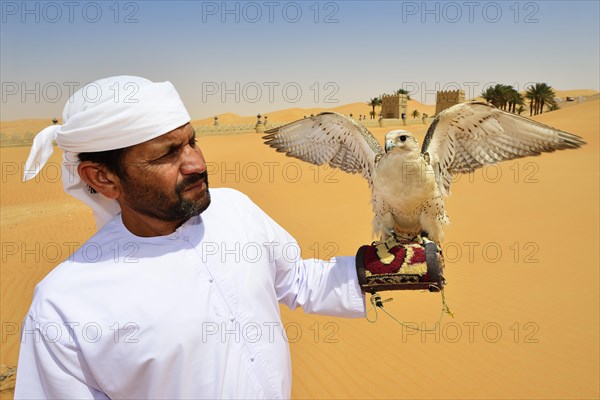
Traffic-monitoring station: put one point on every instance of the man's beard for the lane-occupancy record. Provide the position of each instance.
(157, 204)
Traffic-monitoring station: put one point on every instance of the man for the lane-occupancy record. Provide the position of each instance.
(176, 295)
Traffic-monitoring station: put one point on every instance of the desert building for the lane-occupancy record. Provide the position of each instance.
(448, 98)
(394, 105)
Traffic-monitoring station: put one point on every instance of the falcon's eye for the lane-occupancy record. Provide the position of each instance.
(403, 138)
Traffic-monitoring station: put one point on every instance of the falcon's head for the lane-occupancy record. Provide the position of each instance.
(400, 140)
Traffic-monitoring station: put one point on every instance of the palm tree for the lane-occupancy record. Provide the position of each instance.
(539, 94)
(489, 95)
(504, 93)
(374, 102)
(403, 91)
(531, 95)
(514, 99)
(547, 97)
(552, 105)
(415, 114)
(504, 97)
(494, 95)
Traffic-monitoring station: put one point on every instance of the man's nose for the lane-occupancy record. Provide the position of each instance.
(193, 161)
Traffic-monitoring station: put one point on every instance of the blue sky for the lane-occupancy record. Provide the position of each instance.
(260, 56)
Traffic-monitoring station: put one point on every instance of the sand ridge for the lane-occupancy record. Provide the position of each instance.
(292, 114)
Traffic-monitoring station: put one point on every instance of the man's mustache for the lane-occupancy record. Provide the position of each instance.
(191, 179)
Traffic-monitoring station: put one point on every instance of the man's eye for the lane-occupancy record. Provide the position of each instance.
(164, 156)
(193, 142)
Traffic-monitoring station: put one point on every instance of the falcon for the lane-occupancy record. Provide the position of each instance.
(409, 184)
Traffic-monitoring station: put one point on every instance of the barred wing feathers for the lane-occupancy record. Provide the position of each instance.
(470, 135)
(328, 138)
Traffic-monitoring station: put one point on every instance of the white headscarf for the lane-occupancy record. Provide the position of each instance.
(107, 114)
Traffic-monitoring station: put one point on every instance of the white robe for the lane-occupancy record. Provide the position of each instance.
(193, 314)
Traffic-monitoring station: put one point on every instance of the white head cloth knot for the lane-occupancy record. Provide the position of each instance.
(107, 114)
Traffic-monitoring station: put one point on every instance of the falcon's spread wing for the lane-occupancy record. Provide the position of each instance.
(328, 138)
(470, 135)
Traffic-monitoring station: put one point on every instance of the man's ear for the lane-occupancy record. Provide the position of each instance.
(100, 178)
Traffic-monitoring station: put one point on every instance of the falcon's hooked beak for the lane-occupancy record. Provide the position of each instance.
(390, 142)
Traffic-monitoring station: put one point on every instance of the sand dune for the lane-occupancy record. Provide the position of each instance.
(521, 254)
(25, 125)
(292, 114)
(575, 92)
(21, 127)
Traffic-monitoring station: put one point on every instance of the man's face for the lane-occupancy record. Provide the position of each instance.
(165, 178)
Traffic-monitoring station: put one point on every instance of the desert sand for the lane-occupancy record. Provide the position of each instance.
(521, 264)
(31, 126)
(292, 114)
